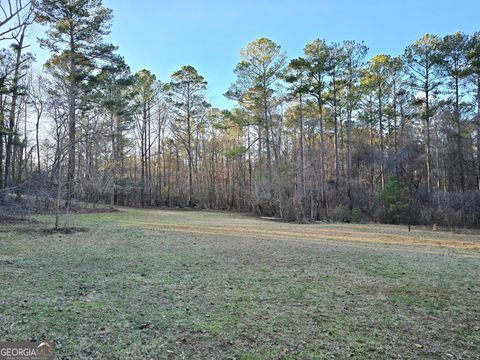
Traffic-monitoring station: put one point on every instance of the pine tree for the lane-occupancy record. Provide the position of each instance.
(75, 32)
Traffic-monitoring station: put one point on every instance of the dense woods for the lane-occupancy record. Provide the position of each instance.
(334, 135)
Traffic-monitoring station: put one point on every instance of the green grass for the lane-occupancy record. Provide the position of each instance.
(201, 285)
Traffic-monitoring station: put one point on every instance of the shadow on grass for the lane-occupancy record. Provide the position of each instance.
(49, 231)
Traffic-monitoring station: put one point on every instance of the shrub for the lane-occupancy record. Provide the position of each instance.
(395, 199)
(355, 215)
(339, 213)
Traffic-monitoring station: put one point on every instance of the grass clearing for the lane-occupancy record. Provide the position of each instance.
(195, 284)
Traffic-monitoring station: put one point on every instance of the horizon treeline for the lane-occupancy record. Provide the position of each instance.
(330, 136)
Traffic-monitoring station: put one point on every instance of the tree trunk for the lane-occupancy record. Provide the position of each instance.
(427, 129)
(300, 196)
(478, 132)
(301, 157)
(9, 164)
(349, 156)
(323, 199)
(382, 146)
(190, 158)
(335, 121)
(37, 141)
(2, 134)
(71, 122)
(459, 135)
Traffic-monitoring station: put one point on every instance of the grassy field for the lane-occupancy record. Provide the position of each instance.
(153, 284)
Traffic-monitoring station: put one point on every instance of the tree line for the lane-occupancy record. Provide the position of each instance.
(331, 135)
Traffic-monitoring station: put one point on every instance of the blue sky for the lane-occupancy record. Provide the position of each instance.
(162, 35)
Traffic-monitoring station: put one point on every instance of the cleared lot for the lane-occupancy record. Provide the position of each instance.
(185, 284)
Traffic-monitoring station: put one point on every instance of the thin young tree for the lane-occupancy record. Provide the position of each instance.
(38, 98)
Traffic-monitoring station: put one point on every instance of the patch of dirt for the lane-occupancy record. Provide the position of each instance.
(66, 231)
(49, 231)
(76, 210)
(99, 210)
(13, 220)
(26, 206)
